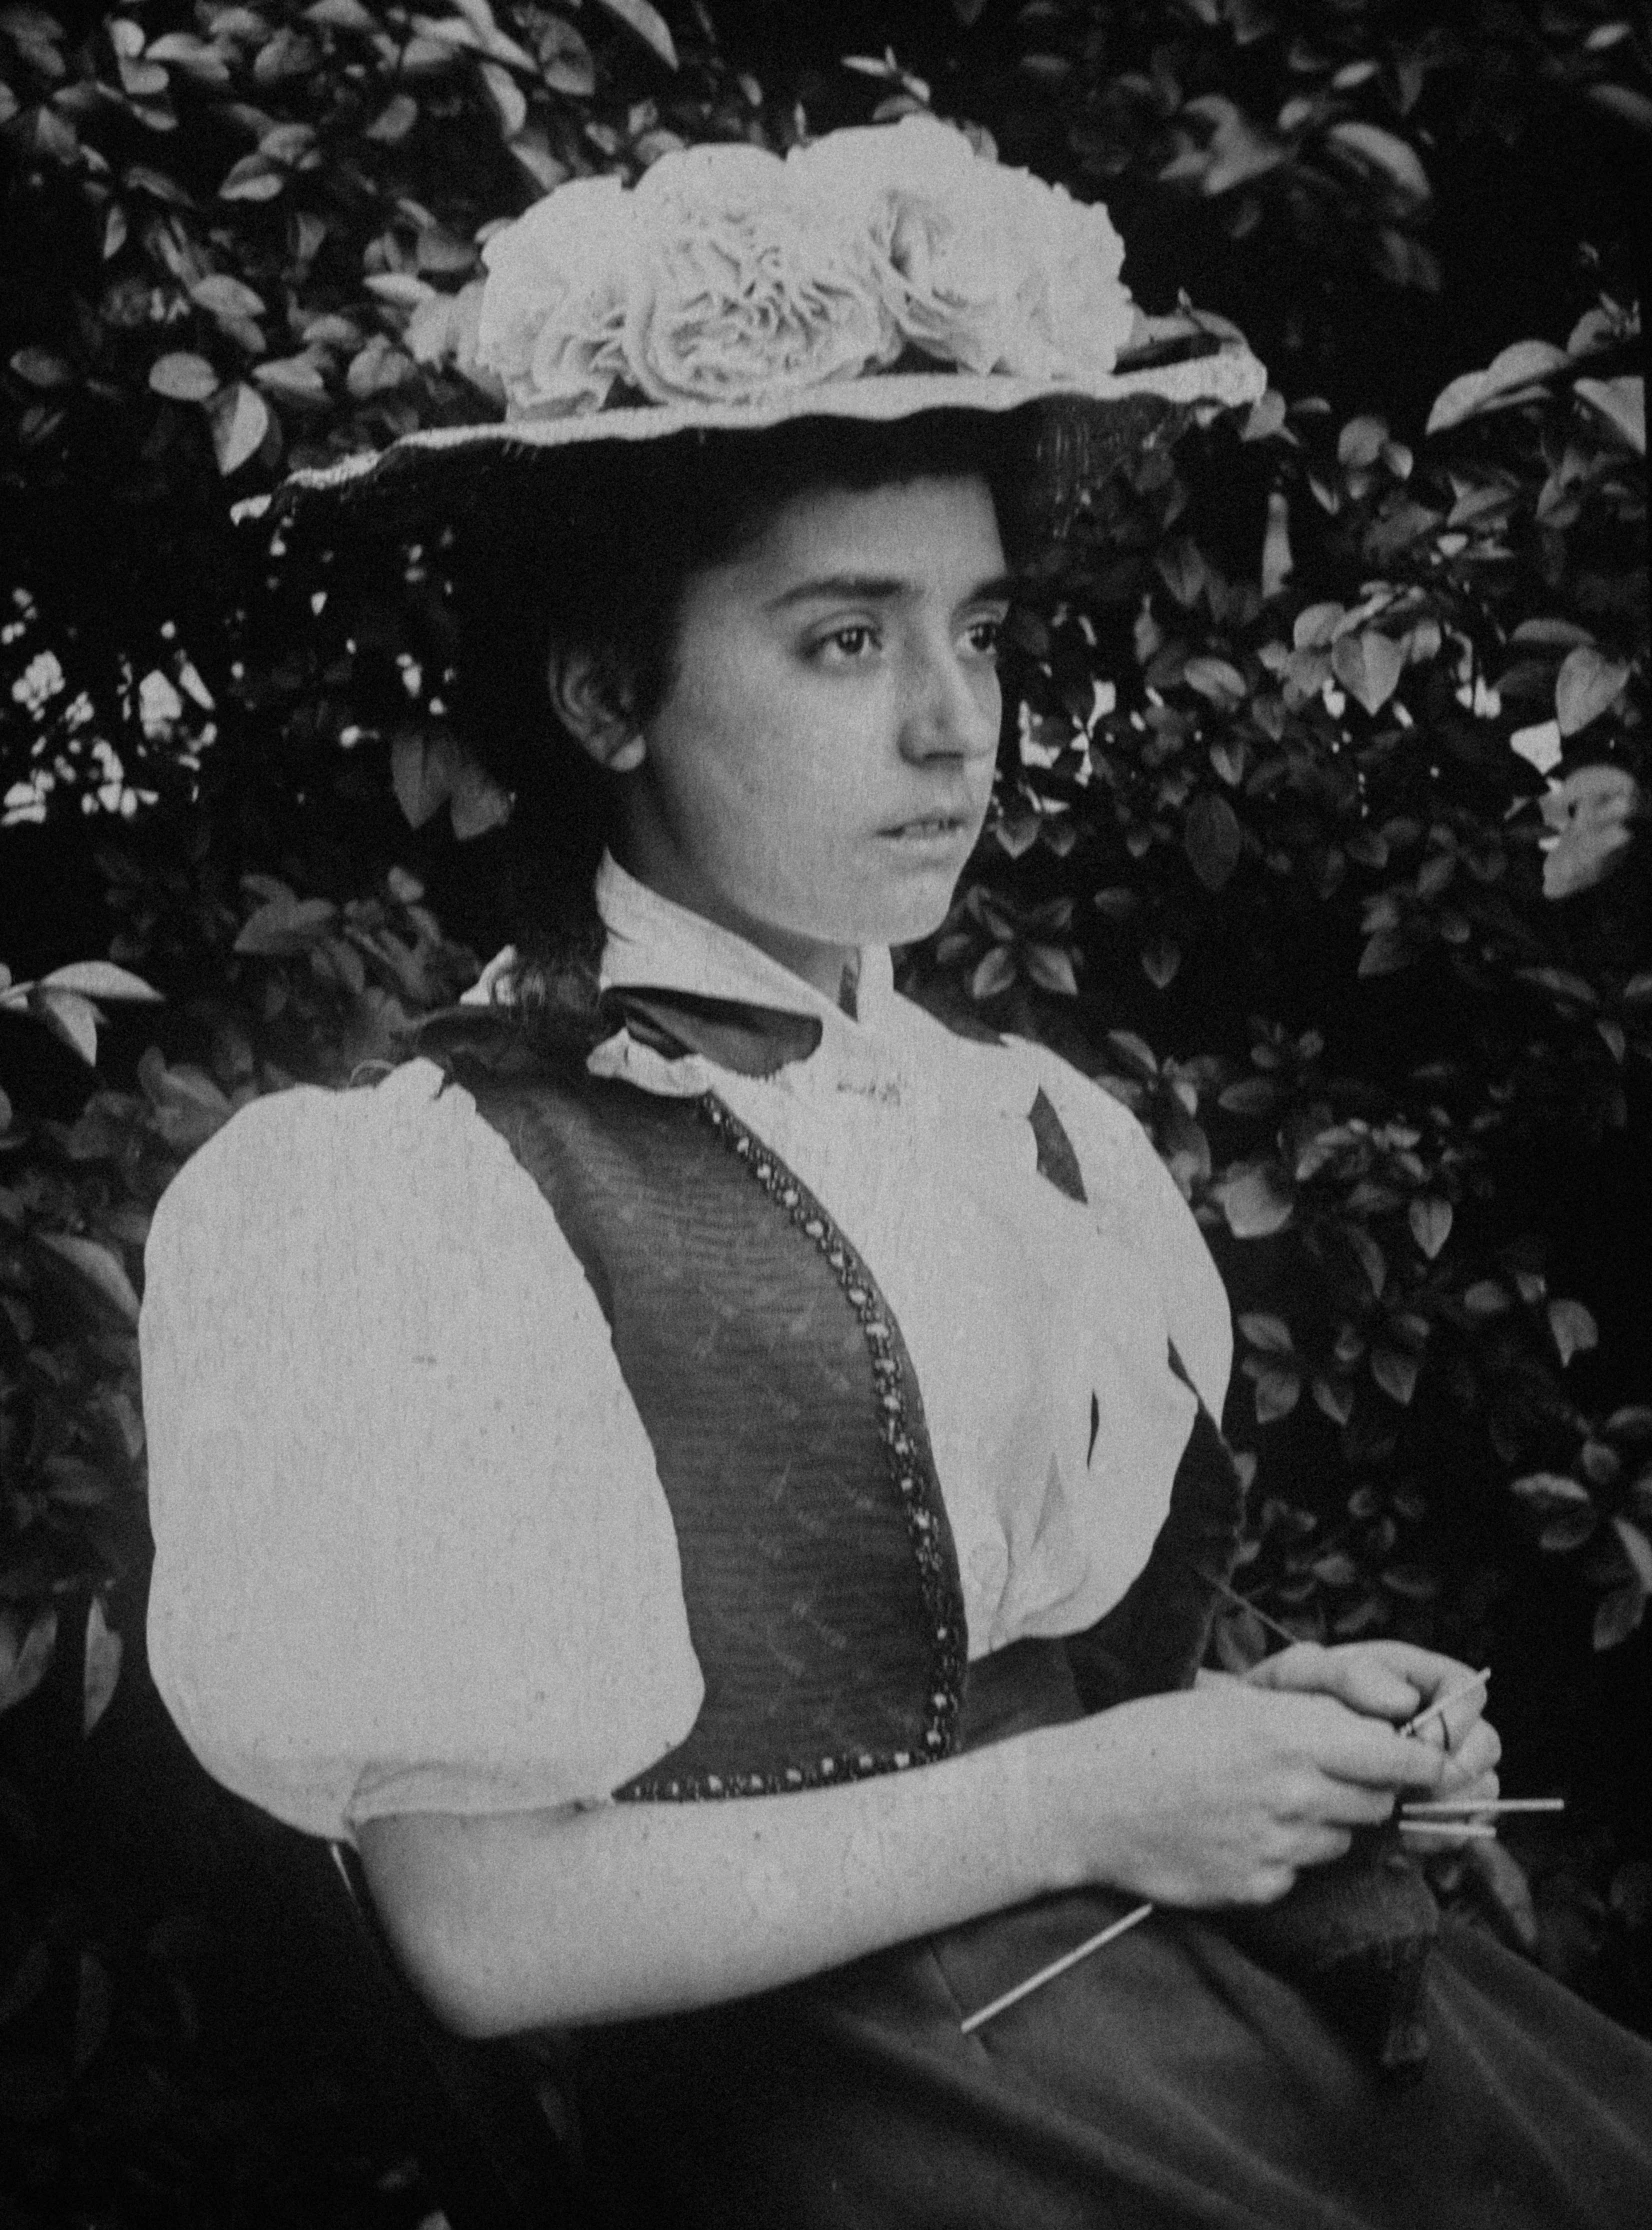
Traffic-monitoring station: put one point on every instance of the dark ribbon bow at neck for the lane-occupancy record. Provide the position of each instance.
(733, 1034)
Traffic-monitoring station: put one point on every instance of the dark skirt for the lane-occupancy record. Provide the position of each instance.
(1168, 2083)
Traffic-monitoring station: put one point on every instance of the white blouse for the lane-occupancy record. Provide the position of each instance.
(412, 1552)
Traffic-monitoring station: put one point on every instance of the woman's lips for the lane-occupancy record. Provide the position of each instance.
(932, 828)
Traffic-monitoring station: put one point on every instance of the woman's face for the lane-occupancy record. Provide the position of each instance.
(821, 767)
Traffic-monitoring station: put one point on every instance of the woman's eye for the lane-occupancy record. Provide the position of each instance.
(985, 637)
(846, 644)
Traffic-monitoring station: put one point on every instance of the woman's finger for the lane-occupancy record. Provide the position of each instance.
(1350, 1804)
(1357, 1674)
(1347, 1746)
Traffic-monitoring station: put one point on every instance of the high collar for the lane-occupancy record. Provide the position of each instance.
(652, 940)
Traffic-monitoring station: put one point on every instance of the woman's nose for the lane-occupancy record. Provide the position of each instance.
(951, 711)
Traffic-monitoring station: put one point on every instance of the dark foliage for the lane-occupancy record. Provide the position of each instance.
(1319, 840)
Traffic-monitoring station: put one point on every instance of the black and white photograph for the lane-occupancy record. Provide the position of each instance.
(825, 1115)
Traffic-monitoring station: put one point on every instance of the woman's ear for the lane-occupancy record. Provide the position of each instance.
(592, 709)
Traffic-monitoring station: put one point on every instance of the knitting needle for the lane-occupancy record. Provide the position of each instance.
(1245, 1604)
(1110, 1935)
(1055, 1967)
(1453, 1695)
(1486, 1804)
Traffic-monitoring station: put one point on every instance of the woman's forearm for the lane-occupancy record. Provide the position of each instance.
(515, 1920)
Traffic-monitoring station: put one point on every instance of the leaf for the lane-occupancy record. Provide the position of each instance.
(1256, 1202)
(1386, 953)
(1618, 1614)
(1316, 626)
(1216, 679)
(100, 1269)
(1251, 1095)
(1561, 984)
(1277, 1394)
(183, 377)
(103, 1656)
(1514, 369)
(1134, 1052)
(101, 979)
(1335, 1397)
(1361, 443)
(509, 101)
(1430, 1221)
(70, 1017)
(225, 297)
(25, 1652)
(1369, 666)
(252, 179)
(1051, 968)
(1549, 1490)
(1622, 403)
(394, 121)
(1485, 1298)
(42, 367)
(1622, 101)
(1160, 959)
(1574, 1329)
(1212, 839)
(476, 801)
(240, 419)
(1395, 1372)
(648, 24)
(299, 378)
(1539, 745)
(1378, 150)
(1269, 1333)
(993, 974)
(286, 926)
(1588, 684)
(1637, 1548)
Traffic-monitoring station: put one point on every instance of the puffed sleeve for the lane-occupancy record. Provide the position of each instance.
(412, 1552)
(1131, 1189)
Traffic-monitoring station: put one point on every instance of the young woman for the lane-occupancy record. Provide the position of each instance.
(709, 1479)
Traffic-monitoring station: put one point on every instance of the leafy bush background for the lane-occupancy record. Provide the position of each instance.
(1264, 858)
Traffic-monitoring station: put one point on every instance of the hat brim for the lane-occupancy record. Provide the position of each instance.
(441, 471)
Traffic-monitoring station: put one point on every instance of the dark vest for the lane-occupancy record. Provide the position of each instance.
(818, 1567)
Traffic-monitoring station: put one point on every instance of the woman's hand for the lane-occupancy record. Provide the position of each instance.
(1394, 1681)
(1221, 1795)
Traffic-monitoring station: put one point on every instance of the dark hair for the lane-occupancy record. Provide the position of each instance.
(596, 550)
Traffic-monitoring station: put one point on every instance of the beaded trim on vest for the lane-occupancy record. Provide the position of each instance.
(911, 1468)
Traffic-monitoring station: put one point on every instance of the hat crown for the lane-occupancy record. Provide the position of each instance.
(731, 276)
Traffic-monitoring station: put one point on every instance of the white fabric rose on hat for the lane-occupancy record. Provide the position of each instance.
(552, 320)
(983, 267)
(743, 288)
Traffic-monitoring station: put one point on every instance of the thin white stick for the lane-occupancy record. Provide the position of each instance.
(1486, 1804)
(1456, 1695)
(1055, 1967)
(1483, 1830)
(1109, 1935)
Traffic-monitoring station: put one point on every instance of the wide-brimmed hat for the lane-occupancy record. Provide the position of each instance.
(876, 273)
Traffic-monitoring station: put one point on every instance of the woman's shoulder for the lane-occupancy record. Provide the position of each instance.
(311, 1180)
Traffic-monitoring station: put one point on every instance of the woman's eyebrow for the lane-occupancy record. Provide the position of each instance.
(879, 588)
